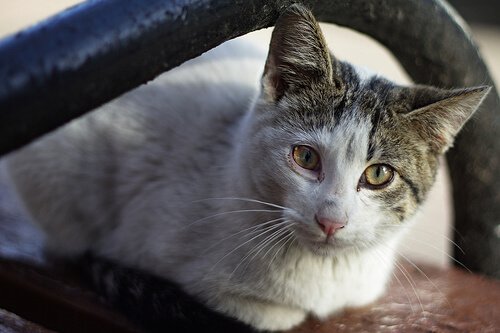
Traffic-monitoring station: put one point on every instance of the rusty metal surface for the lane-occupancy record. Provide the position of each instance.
(94, 52)
(98, 50)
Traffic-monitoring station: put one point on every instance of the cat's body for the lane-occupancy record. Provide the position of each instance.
(176, 176)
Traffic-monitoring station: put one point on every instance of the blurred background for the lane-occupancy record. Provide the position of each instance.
(429, 240)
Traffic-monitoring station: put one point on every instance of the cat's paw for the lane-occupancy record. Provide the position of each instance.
(262, 315)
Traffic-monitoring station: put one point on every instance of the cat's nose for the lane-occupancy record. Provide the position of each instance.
(329, 226)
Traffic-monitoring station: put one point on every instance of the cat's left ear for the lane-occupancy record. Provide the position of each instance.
(298, 56)
(440, 114)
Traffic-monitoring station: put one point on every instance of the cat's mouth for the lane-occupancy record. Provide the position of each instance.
(321, 244)
(329, 247)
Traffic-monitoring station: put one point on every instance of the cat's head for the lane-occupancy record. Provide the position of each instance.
(351, 157)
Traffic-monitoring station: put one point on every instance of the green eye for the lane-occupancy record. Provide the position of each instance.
(378, 175)
(306, 157)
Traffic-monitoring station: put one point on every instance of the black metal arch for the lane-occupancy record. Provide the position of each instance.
(91, 53)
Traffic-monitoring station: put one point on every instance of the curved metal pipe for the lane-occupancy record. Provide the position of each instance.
(91, 53)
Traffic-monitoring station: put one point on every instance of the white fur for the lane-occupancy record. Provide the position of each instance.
(365, 73)
(136, 181)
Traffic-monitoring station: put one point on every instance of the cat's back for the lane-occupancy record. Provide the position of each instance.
(160, 132)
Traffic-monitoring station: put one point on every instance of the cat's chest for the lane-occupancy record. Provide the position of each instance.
(325, 285)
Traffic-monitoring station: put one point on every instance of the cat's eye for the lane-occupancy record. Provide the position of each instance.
(377, 176)
(306, 157)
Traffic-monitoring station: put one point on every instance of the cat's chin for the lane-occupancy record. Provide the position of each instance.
(329, 248)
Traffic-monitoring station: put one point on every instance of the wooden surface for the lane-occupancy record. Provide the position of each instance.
(38, 294)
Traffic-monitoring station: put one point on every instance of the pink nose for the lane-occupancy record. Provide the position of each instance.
(329, 226)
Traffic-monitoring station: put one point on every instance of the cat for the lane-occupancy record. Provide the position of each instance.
(265, 203)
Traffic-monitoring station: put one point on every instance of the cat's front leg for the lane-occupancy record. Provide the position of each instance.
(262, 315)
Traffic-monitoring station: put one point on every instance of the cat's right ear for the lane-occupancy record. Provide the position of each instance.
(442, 113)
(298, 57)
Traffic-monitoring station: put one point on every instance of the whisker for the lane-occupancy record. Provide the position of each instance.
(232, 212)
(239, 246)
(287, 239)
(407, 276)
(261, 245)
(425, 275)
(455, 230)
(284, 231)
(247, 200)
(430, 233)
(412, 283)
(445, 237)
(444, 253)
(381, 257)
(277, 243)
(252, 229)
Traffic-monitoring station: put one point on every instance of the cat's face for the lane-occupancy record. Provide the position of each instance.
(351, 159)
(351, 169)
